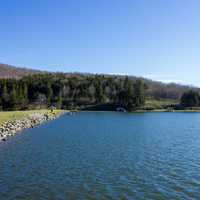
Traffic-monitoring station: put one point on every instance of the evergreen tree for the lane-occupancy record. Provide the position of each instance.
(99, 94)
(49, 93)
(190, 99)
(139, 96)
(23, 95)
(126, 95)
(5, 96)
(13, 97)
(76, 90)
(59, 101)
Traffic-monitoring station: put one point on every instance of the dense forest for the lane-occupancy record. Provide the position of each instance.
(45, 90)
(190, 99)
(22, 88)
(157, 90)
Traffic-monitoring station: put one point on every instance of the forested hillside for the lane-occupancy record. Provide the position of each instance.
(155, 89)
(25, 89)
(45, 90)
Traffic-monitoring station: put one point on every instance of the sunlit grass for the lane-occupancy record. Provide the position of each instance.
(14, 115)
(159, 104)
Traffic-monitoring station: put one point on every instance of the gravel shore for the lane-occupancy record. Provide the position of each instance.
(10, 128)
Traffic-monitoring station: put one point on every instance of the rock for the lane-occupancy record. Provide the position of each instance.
(10, 128)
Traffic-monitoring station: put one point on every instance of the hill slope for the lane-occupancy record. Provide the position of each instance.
(157, 90)
(8, 71)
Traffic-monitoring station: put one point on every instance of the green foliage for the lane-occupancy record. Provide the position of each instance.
(157, 104)
(4, 94)
(139, 93)
(49, 93)
(132, 96)
(190, 99)
(62, 91)
(13, 98)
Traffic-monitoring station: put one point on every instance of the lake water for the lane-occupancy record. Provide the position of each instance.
(104, 156)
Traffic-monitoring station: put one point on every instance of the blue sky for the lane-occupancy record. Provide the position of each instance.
(158, 39)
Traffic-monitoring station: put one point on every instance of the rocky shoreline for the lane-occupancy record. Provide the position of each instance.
(11, 128)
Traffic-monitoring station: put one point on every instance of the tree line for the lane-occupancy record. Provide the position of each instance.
(70, 92)
(190, 98)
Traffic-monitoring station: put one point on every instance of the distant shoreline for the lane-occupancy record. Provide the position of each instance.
(165, 110)
(11, 126)
(141, 111)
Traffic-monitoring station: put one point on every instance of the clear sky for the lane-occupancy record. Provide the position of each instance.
(158, 39)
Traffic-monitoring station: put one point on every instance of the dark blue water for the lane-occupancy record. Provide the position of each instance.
(104, 156)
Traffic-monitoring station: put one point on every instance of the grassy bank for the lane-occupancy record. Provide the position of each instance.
(15, 115)
(155, 104)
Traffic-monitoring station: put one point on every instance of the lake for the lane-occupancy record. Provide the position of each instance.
(104, 155)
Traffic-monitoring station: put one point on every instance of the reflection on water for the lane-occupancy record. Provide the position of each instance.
(104, 156)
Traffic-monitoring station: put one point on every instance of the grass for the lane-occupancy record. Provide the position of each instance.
(153, 104)
(150, 105)
(14, 115)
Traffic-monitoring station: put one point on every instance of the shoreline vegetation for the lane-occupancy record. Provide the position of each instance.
(34, 99)
(13, 122)
(92, 92)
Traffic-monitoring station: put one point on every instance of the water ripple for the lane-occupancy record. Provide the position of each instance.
(104, 156)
